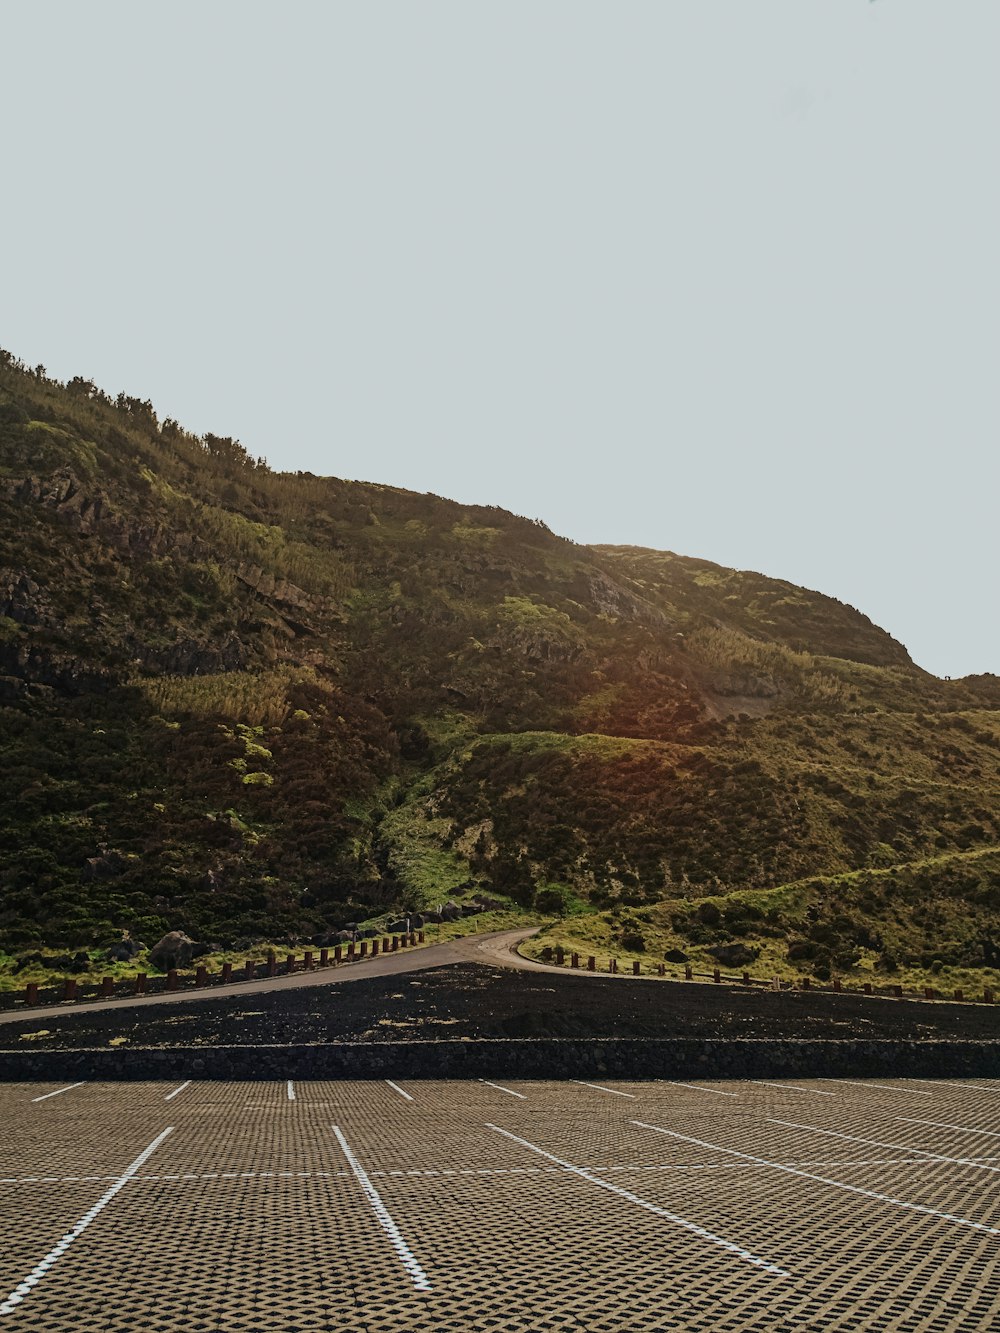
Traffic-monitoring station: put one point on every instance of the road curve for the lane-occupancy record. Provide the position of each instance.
(498, 948)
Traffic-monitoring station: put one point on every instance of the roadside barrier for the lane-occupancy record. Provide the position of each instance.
(71, 991)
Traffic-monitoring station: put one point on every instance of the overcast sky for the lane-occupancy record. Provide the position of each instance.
(714, 276)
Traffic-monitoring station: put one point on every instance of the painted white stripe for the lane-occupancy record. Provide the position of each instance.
(696, 1087)
(38, 1272)
(509, 1091)
(291, 1090)
(791, 1087)
(962, 1129)
(197, 1176)
(825, 1180)
(877, 1143)
(406, 1256)
(966, 1087)
(171, 1095)
(46, 1095)
(883, 1087)
(399, 1090)
(600, 1088)
(644, 1203)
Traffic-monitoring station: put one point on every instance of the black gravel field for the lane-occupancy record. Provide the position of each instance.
(475, 1001)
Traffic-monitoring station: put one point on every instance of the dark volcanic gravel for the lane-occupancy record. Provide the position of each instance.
(477, 1001)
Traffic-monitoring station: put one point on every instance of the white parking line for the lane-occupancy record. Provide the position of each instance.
(406, 1256)
(188, 1177)
(46, 1095)
(791, 1087)
(884, 1087)
(291, 1090)
(644, 1203)
(696, 1087)
(877, 1143)
(399, 1090)
(965, 1087)
(509, 1091)
(171, 1095)
(938, 1124)
(825, 1180)
(38, 1272)
(599, 1088)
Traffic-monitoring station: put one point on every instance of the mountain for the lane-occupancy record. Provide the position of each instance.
(252, 704)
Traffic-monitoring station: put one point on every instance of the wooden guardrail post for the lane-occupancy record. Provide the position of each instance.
(227, 973)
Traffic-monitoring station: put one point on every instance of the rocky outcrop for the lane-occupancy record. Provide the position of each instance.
(612, 598)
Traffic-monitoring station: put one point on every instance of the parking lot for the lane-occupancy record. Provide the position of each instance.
(413, 1205)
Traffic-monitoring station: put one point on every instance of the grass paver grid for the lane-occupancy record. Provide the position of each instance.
(520, 1248)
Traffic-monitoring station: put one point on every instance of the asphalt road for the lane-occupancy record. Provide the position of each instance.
(497, 947)
(600, 1208)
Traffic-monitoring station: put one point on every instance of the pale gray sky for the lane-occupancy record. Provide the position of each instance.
(715, 276)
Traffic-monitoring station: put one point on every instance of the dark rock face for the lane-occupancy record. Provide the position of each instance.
(675, 956)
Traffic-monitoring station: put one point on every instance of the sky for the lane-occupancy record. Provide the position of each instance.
(710, 276)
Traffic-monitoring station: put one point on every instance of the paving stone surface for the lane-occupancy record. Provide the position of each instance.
(612, 1207)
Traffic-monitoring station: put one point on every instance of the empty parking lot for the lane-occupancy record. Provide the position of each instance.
(410, 1205)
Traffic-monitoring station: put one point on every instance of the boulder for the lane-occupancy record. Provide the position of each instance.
(174, 950)
(103, 867)
(81, 961)
(451, 912)
(734, 955)
(124, 950)
(676, 956)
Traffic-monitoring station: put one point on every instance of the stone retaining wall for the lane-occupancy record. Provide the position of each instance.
(637, 1058)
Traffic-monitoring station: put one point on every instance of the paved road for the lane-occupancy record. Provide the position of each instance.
(498, 947)
(427, 1206)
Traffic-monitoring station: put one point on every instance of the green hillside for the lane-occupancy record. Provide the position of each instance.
(257, 705)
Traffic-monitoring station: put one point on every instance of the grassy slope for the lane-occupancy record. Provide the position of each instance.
(256, 706)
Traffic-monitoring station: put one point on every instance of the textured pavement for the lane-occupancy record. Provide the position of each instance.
(817, 1205)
